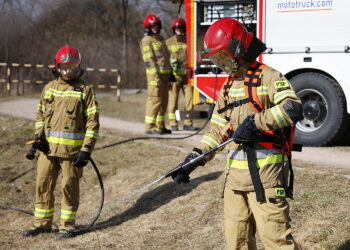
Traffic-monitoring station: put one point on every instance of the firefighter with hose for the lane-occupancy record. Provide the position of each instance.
(258, 109)
(66, 129)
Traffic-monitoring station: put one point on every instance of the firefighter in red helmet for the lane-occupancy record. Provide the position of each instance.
(156, 58)
(258, 108)
(66, 126)
(178, 60)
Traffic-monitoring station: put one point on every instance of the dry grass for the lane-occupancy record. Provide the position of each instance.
(132, 107)
(165, 216)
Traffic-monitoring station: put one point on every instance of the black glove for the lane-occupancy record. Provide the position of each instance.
(183, 174)
(172, 78)
(80, 159)
(246, 131)
(42, 144)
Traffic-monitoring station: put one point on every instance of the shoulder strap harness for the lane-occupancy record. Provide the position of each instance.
(278, 140)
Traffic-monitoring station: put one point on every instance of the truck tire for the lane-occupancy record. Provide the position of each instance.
(325, 118)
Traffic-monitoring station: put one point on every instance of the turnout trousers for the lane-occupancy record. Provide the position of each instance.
(48, 169)
(157, 102)
(244, 215)
(174, 91)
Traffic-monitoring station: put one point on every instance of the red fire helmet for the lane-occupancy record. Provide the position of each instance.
(178, 23)
(67, 54)
(227, 34)
(150, 20)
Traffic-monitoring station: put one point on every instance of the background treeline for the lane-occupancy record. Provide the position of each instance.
(107, 32)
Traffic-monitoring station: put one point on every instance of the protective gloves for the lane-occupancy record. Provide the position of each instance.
(172, 78)
(183, 174)
(80, 159)
(246, 131)
(42, 144)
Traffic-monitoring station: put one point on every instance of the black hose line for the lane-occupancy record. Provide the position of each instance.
(93, 220)
(210, 111)
(159, 138)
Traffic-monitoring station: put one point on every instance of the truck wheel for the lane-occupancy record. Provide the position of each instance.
(325, 118)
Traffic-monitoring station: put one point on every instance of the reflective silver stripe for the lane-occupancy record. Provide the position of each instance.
(280, 96)
(65, 135)
(218, 120)
(242, 156)
(278, 116)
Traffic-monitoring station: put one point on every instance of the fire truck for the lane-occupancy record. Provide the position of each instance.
(307, 40)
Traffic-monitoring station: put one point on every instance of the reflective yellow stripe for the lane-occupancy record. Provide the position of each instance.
(146, 48)
(278, 116)
(150, 119)
(58, 93)
(157, 45)
(209, 141)
(164, 71)
(91, 111)
(151, 71)
(160, 118)
(153, 83)
(176, 48)
(90, 133)
(180, 73)
(172, 116)
(64, 141)
(43, 213)
(68, 215)
(147, 55)
(41, 107)
(270, 159)
(218, 120)
(280, 96)
(39, 124)
(262, 90)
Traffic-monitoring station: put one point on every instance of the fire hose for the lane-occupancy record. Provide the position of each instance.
(30, 156)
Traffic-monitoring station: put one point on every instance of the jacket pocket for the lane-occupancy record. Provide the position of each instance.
(74, 117)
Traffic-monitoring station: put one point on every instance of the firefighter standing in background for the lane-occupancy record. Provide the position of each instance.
(178, 61)
(257, 106)
(156, 58)
(67, 124)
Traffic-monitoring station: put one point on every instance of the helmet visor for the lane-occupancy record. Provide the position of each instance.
(236, 48)
(224, 61)
(68, 66)
(68, 71)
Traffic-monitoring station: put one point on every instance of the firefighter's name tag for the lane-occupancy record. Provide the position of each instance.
(281, 84)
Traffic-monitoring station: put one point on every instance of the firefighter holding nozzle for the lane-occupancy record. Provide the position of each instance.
(66, 128)
(258, 108)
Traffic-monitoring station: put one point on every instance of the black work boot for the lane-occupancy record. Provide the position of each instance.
(154, 132)
(35, 231)
(166, 131)
(64, 234)
(190, 128)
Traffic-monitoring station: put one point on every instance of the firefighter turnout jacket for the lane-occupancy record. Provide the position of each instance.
(156, 57)
(68, 114)
(178, 61)
(178, 55)
(281, 109)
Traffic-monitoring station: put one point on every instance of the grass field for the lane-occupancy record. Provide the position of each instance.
(165, 216)
(132, 107)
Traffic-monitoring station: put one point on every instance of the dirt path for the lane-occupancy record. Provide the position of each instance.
(335, 159)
